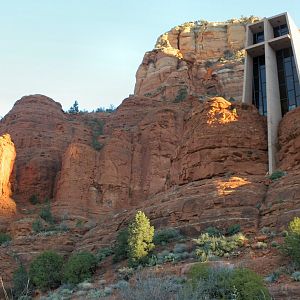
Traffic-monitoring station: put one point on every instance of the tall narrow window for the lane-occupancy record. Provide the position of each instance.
(288, 80)
(259, 84)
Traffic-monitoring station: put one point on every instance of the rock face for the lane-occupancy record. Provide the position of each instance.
(7, 159)
(41, 132)
(220, 138)
(282, 202)
(197, 58)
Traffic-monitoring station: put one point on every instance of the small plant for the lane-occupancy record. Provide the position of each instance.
(151, 286)
(223, 283)
(103, 253)
(37, 226)
(125, 273)
(213, 231)
(296, 276)
(79, 267)
(34, 200)
(121, 247)
(291, 245)
(46, 270)
(4, 238)
(209, 246)
(273, 277)
(181, 95)
(233, 229)
(21, 283)
(140, 237)
(180, 248)
(46, 214)
(166, 235)
(276, 175)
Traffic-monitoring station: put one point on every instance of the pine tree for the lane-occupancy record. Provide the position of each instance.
(74, 109)
(140, 237)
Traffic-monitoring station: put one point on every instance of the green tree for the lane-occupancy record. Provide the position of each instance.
(74, 109)
(46, 270)
(79, 267)
(121, 247)
(140, 237)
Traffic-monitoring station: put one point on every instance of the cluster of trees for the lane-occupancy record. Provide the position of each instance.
(74, 109)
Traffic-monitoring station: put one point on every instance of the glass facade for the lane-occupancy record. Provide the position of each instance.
(259, 84)
(280, 30)
(258, 37)
(288, 80)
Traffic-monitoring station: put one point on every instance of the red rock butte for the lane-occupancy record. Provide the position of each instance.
(187, 158)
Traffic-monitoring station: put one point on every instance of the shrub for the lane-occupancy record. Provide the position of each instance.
(37, 226)
(140, 237)
(4, 238)
(213, 231)
(224, 283)
(217, 246)
(291, 245)
(233, 229)
(166, 235)
(296, 276)
(46, 270)
(46, 214)
(180, 248)
(34, 199)
(79, 267)
(125, 273)
(121, 247)
(181, 95)
(294, 226)
(151, 286)
(103, 253)
(276, 175)
(21, 282)
(249, 285)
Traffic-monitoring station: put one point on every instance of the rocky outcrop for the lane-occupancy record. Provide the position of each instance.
(41, 132)
(7, 159)
(196, 58)
(282, 201)
(289, 141)
(220, 138)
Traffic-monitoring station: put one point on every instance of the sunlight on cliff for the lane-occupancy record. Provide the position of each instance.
(220, 111)
(7, 160)
(228, 187)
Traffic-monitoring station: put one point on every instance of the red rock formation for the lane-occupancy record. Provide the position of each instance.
(41, 132)
(7, 159)
(196, 58)
(220, 138)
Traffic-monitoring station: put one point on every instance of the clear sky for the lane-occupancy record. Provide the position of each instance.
(89, 50)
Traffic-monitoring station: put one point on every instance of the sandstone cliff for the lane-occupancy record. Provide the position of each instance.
(7, 159)
(196, 58)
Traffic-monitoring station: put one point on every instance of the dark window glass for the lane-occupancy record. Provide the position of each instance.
(288, 79)
(280, 30)
(259, 84)
(288, 69)
(290, 83)
(258, 37)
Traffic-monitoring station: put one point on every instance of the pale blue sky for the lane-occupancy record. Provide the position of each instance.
(90, 50)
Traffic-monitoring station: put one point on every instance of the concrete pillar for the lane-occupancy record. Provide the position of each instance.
(273, 105)
(248, 79)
